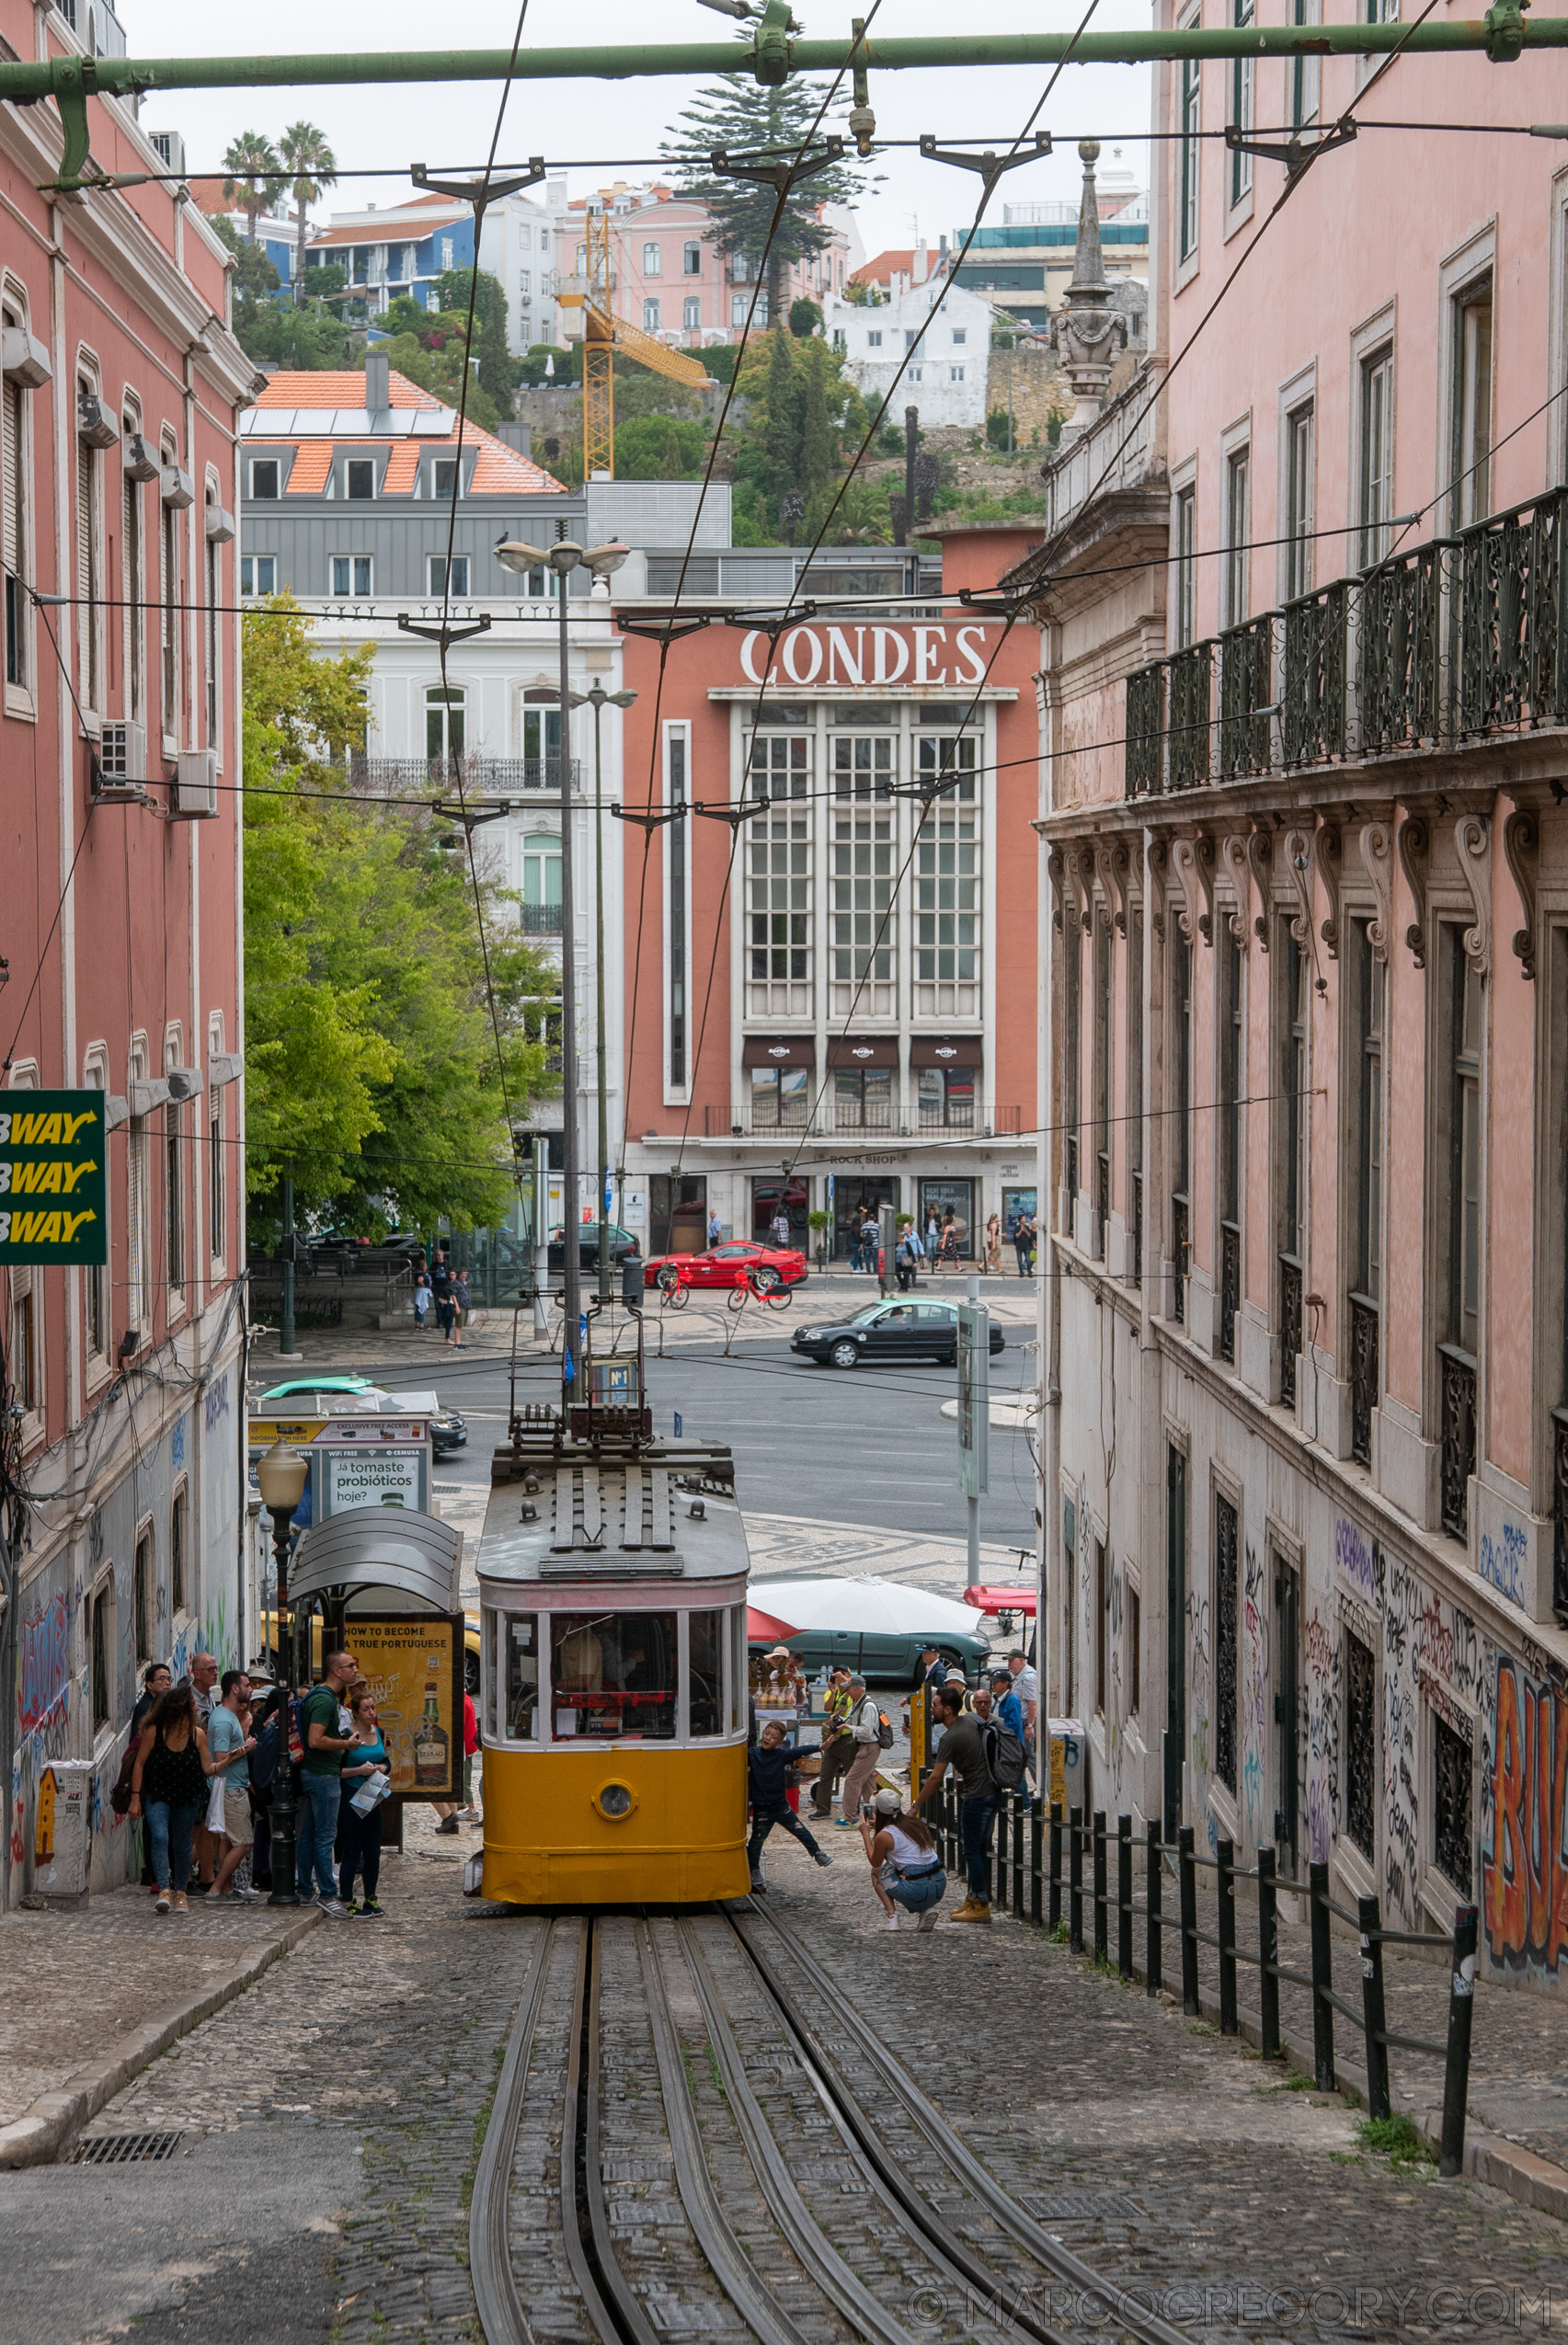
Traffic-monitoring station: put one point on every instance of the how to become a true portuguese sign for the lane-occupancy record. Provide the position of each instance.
(51, 1176)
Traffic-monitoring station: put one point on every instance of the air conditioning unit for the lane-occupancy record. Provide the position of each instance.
(121, 766)
(23, 359)
(193, 793)
(142, 460)
(178, 489)
(94, 424)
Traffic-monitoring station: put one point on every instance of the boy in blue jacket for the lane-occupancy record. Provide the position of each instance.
(767, 1762)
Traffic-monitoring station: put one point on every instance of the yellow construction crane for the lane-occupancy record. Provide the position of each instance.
(603, 335)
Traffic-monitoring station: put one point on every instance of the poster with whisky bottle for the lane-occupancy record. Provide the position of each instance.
(413, 1669)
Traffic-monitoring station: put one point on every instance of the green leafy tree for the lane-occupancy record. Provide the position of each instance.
(862, 294)
(781, 432)
(497, 369)
(311, 169)
(819, 443)
(254, 275)
(804, 318)
(736, 112)
(371, 1053)
(255, 177)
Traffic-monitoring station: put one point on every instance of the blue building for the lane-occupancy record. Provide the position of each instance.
(401, 251)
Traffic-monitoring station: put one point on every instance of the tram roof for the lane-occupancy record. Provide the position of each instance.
(607, 1519)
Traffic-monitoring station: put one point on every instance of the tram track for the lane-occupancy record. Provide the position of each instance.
(720, 2166)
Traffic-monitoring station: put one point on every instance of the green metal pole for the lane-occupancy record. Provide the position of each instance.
(598, 696)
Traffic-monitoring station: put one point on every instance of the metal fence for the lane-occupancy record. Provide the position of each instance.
(1039, 1860)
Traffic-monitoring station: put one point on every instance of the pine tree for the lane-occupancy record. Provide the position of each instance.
(818, 454)
(780, 434)
(738, 113)
(672, 465)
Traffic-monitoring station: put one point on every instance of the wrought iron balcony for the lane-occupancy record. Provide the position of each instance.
(1102, 1197)
(823, 1118)
(1180, 1246)
(1229, 1287)
(1246, 688)
(1070, 1174)
(1365, 1322)
(484, 776)
(1458, 1438)
(1136, 1267)
(1289, 1327)
(1461, 639)
(542, 919)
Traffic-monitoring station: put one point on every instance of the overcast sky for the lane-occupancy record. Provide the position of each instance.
(448, 124)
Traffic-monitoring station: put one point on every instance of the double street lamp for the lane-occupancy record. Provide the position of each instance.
(282, 1479)
(562, 558)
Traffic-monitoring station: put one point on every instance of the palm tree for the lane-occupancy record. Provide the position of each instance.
(255, 177)
(311, 167)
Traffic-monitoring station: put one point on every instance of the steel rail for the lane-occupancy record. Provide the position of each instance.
(501, 2316)
(869, 2318)
(1502, 33)
(1037, 2242)
(911, 2208)
(613, 2307)
(711, 2228)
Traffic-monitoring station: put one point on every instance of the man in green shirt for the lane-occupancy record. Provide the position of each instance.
(321, 1782)
(963, 1748)
(837, 1743)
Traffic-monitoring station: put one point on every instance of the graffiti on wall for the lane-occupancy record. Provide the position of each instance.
(1356, 1560)
(1254, 1662)
(1524, 1868)
(1501, 1561)
(43, 1662)
(1320, 1771)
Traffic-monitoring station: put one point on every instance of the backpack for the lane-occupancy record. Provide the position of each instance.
(1005, 1757)
(884, 1731)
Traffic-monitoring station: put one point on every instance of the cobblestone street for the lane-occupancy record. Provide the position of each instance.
(362, 2065)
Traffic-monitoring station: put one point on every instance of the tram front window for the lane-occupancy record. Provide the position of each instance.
(523, 1678)
(613, 1673)
(706, 1695)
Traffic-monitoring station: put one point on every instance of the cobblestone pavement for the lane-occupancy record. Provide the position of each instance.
(55, 1963)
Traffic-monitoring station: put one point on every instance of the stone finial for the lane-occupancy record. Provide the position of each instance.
(1087, 332)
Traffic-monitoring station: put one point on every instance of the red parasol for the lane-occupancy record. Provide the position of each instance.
(763, 1629)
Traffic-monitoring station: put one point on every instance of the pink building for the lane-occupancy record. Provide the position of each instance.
(1305, 1493)
(119, 841)
(670, 278)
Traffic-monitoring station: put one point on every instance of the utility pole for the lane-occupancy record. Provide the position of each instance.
(566, 559)
(974, 1414)
(541, 1235)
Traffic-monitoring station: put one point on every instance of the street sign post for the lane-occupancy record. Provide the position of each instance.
(974, 1414)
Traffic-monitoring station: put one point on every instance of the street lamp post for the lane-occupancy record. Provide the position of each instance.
(599, 700)
(281, 1478)
(562, 558)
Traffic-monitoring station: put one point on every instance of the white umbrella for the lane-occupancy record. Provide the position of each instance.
(862, 1606)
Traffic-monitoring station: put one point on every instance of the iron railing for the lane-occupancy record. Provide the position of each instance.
(1289, 1326)
(1191, 750)
(1457, 639)
(1457, 1404)
(755, 1119)
(1135, 1181)
(492, 776)
(1046, 1866)
(1365, 1324)
(1102, 1199)
(1229, 1287)
(1069, 1175)
(542, 919)
(1247, 696)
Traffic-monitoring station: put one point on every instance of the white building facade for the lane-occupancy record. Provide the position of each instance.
(946, 377)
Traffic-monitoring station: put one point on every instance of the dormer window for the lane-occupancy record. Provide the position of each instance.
(443, 477)
(264, 472)
(360, 478)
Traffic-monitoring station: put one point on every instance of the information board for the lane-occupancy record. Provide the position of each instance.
(52, 1177)
(414, 1669)
(391, 1473)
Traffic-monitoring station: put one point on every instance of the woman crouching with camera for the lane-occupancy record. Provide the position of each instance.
(906, 1871)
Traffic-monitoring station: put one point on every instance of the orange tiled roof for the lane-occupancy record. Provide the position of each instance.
(500, 471)
(312, 462)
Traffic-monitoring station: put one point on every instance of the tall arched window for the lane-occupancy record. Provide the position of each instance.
(540, 885)
(444, 729)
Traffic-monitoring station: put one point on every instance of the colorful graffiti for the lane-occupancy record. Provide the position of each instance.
(44, 1662)
(1501, 1561)
(1524, 1866)
(1322, 1771)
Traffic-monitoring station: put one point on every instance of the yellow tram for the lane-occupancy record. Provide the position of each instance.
(613, 1575)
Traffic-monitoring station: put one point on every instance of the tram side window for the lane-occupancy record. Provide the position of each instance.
(705, 1694)
(523, 1678)
(613, 1675)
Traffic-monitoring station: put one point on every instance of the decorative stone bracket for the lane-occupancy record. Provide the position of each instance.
(1473, 836)
(1377, 856)
(1521, 844)
(1327, 867)
(1193, 859)
(1414, 846)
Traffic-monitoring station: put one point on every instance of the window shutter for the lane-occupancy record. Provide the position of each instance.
(11, 477)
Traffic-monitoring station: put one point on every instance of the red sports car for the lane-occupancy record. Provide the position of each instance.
(727, 1265)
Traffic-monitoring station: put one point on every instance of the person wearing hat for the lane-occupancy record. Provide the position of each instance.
(954, 1682)
(837, 1743)
(906, 1871)
(933, 1669)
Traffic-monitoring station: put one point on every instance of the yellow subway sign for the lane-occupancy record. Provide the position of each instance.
(52, 1146)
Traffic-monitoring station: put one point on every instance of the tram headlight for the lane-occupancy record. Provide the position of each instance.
(616, 1803)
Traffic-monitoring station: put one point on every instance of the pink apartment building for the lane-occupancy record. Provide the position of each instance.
(1305, 1017)
(119, 924)
(671, 280)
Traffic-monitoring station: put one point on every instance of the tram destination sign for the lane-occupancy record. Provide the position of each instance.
(52, 1177)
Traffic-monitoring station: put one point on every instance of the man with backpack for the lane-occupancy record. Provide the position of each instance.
(982, 1751)
(869, 1727)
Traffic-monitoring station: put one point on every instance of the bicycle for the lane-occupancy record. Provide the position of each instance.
(675, 1290)
(766, 1285)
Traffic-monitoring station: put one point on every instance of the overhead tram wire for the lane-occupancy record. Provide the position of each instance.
(668, 637)
(988, 185)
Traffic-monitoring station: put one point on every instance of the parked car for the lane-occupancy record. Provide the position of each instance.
(622, 1244)
(732, 1263)
(447, 1430)
(897, 1329)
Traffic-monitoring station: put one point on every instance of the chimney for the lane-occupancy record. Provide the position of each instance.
(923, 263)
(518, 436)
(378, 382)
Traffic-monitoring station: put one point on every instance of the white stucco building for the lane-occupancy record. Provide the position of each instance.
(946, 379)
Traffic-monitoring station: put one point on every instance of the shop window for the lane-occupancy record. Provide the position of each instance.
(678, 1213)
(766, 1196)
(780, 1098)
(949, 1205)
